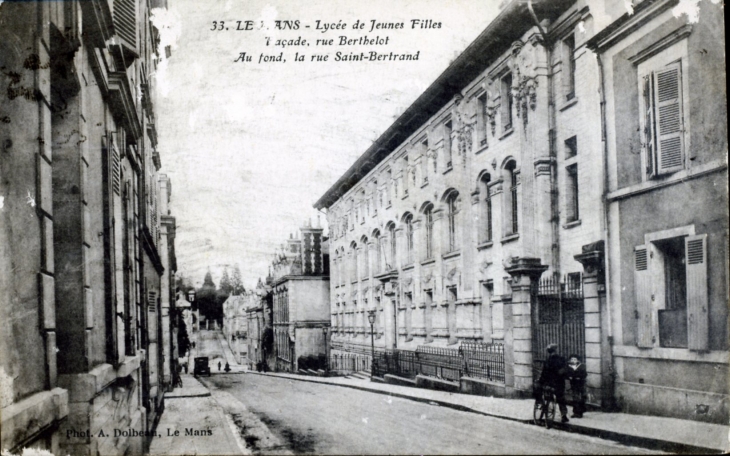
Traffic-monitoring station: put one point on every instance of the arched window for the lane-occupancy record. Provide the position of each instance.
(390, 260)
(511, 221)
(428, 219)
(485, 203)
(408, 221)
(452, 210)
(365, 258)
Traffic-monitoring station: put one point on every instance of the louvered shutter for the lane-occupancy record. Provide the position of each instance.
(668, 112)
(642, 295)
(649, 143)
(697, 297)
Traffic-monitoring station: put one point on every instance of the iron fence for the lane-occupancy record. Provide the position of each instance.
(348, 362)
(558, 317)
(471, 359)
(483, 360)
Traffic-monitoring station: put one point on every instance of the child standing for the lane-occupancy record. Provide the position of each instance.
(577, 376)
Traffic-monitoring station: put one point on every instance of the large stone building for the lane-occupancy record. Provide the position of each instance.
(300, 282)
(87, 259)
(480, 216)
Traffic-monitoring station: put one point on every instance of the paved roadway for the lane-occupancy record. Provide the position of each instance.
(324, 419)
(207, 344)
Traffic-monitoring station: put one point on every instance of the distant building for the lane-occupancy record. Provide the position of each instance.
(235, 325)
(300, 282)
(259, 308)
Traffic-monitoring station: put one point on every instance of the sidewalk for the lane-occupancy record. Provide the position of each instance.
(659, 433)
(194, 423)
(228, 354)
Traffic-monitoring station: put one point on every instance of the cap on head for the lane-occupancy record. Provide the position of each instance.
(552, 348)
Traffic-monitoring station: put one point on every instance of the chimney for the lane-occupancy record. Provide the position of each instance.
(312, 261)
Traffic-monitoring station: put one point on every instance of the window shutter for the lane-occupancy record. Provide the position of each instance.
(697, 298)
(642, 294)
(668, 112)
(649, 128)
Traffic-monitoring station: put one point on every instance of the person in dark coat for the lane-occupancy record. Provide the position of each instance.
(554, 374)
(577, 376)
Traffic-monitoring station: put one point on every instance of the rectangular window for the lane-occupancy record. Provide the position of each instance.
(482, 119)
(424, 161)
(506, 103)
(663, 123)
(569, 65)
(447, 144)
(571, 193)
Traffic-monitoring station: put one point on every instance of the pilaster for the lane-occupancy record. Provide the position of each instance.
(525, 274)
(599, 382)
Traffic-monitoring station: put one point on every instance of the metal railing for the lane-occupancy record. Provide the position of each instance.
(483, 360)
(472, 359)
(348, 362)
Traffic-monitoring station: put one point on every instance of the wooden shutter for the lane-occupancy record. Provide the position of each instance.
(668, 112)
(642, 295)
(697, 297)
(649, 144)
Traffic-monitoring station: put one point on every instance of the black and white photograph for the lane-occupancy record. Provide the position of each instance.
(338, 227)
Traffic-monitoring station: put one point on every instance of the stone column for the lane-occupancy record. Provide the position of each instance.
(525, 274)
(599, 383)
(390, 286)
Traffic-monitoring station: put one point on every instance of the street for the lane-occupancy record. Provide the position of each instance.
(323, 419)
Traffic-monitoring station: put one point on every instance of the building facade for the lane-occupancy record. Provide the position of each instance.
(301, 301)
(85, 266)
(507, 208)
(667, 237)
(259, 313)
(445, 225)
(235, 325)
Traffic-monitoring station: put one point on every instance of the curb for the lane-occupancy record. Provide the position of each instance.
(188, 395)
(624, 439)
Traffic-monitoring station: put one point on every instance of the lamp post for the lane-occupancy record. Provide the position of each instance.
(371, 319)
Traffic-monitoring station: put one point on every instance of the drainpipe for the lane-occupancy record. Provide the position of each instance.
(554, 201)
(606, 229)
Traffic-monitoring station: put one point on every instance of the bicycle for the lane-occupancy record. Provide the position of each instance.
(545, 404)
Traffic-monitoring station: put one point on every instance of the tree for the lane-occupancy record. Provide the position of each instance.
(207, 299)
(225, 284)
(237, 281)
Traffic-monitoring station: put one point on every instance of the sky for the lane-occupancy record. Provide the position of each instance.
(249, 146)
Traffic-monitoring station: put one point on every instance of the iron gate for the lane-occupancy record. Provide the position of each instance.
(558, 317)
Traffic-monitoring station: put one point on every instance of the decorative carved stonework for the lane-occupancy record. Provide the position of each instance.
(542, 166)
(524, 83)
(484, 266)
(475, 196)
(491, 107)
(495, 188)
(463, 130)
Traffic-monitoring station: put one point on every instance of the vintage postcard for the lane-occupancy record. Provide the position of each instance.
(384, 227)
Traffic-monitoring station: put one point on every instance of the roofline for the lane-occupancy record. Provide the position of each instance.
(461, 72)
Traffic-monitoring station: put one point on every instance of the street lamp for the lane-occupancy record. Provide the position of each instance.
(371, 319)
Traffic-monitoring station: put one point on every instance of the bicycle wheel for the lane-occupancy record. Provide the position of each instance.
(538, 412)
(549, 411)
